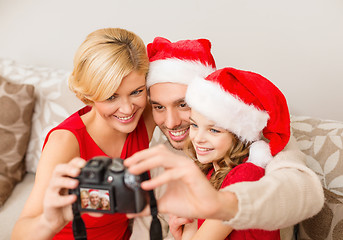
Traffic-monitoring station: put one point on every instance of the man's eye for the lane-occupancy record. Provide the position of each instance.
(158, 107)
(183, 105)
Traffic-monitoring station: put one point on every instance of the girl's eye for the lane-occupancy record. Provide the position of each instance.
(194, 125)
(214, 130)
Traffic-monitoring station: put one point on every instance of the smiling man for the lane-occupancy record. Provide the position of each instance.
(172, 67)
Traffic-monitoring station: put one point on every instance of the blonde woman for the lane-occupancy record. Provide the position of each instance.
(109, 76)
(84, 195)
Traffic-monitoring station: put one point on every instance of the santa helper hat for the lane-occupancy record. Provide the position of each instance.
(106, 196)
(246, 104)
(94, 192)
(179, 62)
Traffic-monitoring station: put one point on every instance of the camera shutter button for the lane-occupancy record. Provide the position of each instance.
(109, 179)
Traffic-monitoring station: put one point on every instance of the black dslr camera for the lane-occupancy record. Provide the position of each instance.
(107, 187)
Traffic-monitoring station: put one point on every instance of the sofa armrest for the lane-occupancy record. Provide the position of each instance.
(9, 213)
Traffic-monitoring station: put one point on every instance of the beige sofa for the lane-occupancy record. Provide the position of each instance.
(320, 140)
(26, 118)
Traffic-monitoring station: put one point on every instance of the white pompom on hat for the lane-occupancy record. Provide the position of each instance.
(246, 104)
(179, 62)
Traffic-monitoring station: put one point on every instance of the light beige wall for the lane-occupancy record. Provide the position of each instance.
(296, 44)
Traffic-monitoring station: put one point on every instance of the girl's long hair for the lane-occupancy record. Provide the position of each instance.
(233, 157)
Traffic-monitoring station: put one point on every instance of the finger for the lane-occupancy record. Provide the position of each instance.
(145, 154)
(78, 162)
(60, 201)
(166, 177)
(145, 165)
(164, 160)
(183, 221)
(70, 170)
(144, 212)
(58, 183)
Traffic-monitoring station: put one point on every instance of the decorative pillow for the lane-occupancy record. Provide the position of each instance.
(16, 104)
(322, 142)
(54, 102)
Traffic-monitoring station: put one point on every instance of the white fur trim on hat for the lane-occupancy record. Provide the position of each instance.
(259, 154)
(106, 196)
(176, 71)
(226, 110)
(94, 192)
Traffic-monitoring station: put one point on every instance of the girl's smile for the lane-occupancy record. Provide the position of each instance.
(209, 141)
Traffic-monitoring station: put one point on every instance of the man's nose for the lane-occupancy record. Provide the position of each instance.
(172, 119)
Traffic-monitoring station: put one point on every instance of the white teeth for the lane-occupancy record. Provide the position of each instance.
(124, 118)
(176, 134)
(203, 149)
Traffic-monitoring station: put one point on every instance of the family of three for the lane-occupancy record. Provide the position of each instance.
(227, 129)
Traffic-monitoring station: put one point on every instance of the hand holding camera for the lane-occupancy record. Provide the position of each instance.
(106, 186)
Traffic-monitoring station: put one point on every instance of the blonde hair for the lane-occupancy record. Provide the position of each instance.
(233, 157)
(84, 193)
(103, 60)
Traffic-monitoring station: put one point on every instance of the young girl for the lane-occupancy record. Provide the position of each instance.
(230, 110)
(109, 76)
(105, 201)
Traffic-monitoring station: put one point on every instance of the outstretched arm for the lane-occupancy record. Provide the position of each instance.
(189, 194)
(270, 203)
(48, 208)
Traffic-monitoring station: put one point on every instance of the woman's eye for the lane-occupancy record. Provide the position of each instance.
(111, 98)
(137, 92)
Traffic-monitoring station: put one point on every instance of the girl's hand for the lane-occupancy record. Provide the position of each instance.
(176, 225)
(57, 209)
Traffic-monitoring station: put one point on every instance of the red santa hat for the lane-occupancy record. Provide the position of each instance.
(246, 104)
(106, 196)
(179, 62)
(93, 192)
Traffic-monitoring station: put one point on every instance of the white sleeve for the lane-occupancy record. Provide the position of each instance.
(288, 193)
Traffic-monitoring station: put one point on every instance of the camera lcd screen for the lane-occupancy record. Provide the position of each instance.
(95, 199)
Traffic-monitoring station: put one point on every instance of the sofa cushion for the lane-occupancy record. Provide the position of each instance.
(54, 102)
(322, 142)
(16, 104)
